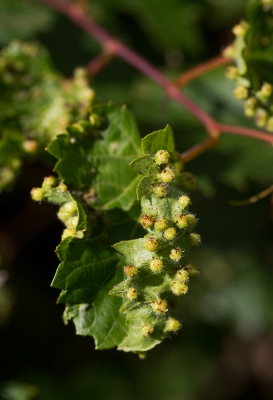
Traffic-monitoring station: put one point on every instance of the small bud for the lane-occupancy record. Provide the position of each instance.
(162, 157)
(192, 270)
(250, 106)
(49, 181)
(160, 224)
(131, 294)
(147, 221)
(266, 90)
(167, 175)
(184, 201)
(147, 330)
(172, 325)
(30, 145)
(159, 306)
(232, 73)
(191, 218)
(178, 288)
(169, 234)
(269, 125)
(37, 194)
(175, 254)
(229, 52)
(182, 275)
(130, 271)
(187, 180)
(240, 92)
(151, 244)
(194, 239)
(261, 117)
(182, 221)
(156, 265)
(160, 190)
(240, 29)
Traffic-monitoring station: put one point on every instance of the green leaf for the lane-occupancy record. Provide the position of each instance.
(159, 140)
(102, 319)
(86, 266)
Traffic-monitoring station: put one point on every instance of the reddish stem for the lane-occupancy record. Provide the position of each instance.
(200, 69)
(115, 47)
(98, 63)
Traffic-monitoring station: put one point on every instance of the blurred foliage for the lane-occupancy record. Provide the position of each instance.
(224, 351)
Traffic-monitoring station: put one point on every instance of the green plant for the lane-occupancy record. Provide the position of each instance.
(95, 188)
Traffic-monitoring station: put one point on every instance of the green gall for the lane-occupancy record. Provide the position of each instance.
(172, 325)
(182, 221)
(232, 73)
(72, 222)
(187, 181)
(162, 157)
(160, 190)
(191, 219)
(131, 294)
(160, 224)
(194, 239)
(229, 52)
(68, 232)
(70, 207)
(176, 254)
(147, 330)
(182, 275)
(184, 201)
(156, 265)
(151, 244)
(130, 271)
(167, 175)
(147, 221)
(266, 90)
(169, 234)
(37, 194)
(159, 306)
(240, 92)
(178, 288)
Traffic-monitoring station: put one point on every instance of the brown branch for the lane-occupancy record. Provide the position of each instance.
(115, 47)
(200, 69)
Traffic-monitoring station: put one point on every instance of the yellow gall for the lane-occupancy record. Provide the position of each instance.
(250, 106)
(184, 201)
(159, 306)
(156, 265)
(172, 325)
(169, 234)
(30, 145)
(62, 187)
(147, 330)
(191, 218)
(240, 92)
(194, 239)
(151, 244)
(162, 157)
(37, 194)
(131, 293)
(175, 254)
(147, 221)
(178, 288)
(182, 275)
(160, 224)
(182, 221)
(167, 175)
(160, 190)
(229, 52)
(130, 271)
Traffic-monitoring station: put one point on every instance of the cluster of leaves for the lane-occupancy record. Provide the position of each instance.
(38, 104)
(96, 194)
(252, 53)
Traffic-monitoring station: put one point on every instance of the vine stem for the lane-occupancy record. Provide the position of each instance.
(116, 48)
(200, 69)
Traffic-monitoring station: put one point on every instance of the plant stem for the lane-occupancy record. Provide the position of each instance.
(200, 69)
(115, 47)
